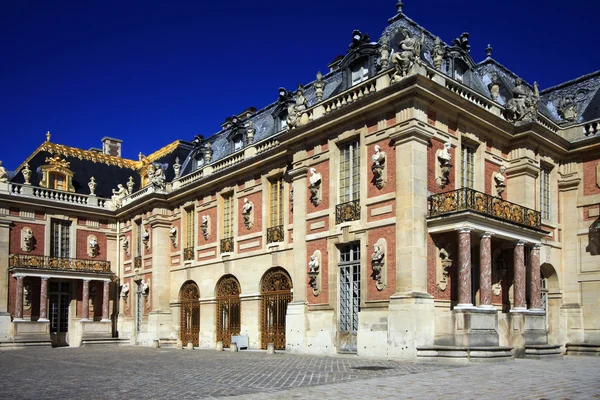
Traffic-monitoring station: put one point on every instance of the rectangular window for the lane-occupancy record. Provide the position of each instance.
(275, 202)
(138, 237)
(283, 121)
(468, 166)
(349, 172)
(60, 239)
(57, 181)
(227, 216)
(360, 72)
(189, 227)
(545, 193)
(349, 289)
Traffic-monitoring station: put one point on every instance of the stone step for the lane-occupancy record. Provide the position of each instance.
(26, 343)
(168, 343)
(543, 351)
(583, 349)
(106, 342)
(462, 354)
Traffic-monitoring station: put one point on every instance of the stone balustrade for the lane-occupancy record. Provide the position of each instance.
(16, 189)
(350, 96)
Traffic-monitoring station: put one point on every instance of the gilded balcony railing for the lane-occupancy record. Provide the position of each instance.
(468, 199)
(188, 254)
(56, 263)
(275, 234)
(348, 211)
(227, 245)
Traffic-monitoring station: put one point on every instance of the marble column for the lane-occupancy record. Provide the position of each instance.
(105, 302)
(464, 269)
(519, 278)
(44, 300)
(85, 307)
(485, 271)
(19, 299)
(535, 280)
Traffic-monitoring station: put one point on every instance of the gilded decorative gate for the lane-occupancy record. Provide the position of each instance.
(189, 323)
(276, 291)
(228, 309)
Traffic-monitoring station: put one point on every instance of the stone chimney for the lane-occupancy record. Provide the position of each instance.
(111, 146)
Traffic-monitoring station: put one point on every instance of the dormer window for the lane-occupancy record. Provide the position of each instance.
(282, 122)
(57, 181)
(360, 72)
(459, 73)
(280, 113)
(238, 142)
(57, 174)
(360, 62)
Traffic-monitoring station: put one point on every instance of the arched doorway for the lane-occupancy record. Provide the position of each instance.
(276, 293)
(189, 323)
(228, 309)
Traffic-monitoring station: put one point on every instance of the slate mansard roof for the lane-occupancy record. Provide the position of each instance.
(109, 171)
(585, 88)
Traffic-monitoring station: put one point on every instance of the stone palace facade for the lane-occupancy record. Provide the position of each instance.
(409, 203)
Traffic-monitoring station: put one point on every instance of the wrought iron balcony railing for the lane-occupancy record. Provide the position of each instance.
(56, 263)
(275, 234)
(188, 254)
(227, 245)
(469, 199)
(348, 211)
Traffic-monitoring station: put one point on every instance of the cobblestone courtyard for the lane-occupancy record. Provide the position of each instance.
(143, 373)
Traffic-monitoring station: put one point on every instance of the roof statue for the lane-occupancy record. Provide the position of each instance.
(408, 55)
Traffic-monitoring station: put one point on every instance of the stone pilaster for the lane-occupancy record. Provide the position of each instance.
(535, 294)
(85, 306)
(411, 205)
(411, 309)
(485, 266)
(105, 301)
(296, 319)
(522, 174)
(464, 269)
(5, 318)
(159, 319)
(19, 299)
(44, 300)
(519, 277)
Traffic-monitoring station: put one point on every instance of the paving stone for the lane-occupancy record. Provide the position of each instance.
(143, 373)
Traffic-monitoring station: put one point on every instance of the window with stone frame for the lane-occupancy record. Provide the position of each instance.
(545, 193)
(57, 181)
(138, 237)
(275, 202)
(60, 239)
(350, 172)
(190, 227)
(359, 72)
(467, 167)
(227, 216)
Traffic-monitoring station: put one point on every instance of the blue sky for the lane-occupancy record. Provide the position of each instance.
(150, 72)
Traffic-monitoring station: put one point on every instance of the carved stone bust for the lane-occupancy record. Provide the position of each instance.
(378, 167)
(500, 180)
(247, 213)
(315, 187)
(27, 239)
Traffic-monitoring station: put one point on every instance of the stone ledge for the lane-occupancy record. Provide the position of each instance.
(583, 349)
(543, 351)
(105, 341)
(26, 343)
(462, 354)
